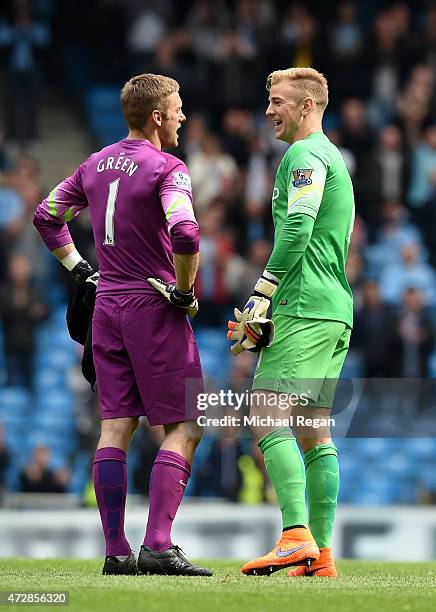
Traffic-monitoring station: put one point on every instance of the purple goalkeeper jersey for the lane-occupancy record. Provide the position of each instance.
(136, 195)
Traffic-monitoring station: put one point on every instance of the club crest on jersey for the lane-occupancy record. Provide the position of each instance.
(302, 177)
(181, 179)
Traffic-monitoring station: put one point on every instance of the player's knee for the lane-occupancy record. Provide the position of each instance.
(258, 428)
(193, 433)
(117, 432)
(307, 443)
(185, 433)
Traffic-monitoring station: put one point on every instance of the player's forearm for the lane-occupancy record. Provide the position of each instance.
(71, 259)
(290, 244)
(185, 241)
(186, 267)
(61, 252)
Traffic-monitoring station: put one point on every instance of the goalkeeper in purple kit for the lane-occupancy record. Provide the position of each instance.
(147, 243)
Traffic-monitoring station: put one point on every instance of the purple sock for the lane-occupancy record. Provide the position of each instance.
(110, 484)
(169, 471)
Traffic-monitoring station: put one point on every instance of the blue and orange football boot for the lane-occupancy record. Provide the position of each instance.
(295, 547)
(325, 566)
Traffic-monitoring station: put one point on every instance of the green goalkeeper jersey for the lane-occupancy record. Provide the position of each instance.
(312, 179)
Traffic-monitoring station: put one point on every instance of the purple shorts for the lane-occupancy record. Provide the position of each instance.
(146, 359)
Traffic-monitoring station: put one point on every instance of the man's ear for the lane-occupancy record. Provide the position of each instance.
(157, 117)
(308, 105)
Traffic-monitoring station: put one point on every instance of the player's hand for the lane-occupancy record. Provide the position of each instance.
(84, 274)
(90, 289)
(82, 271)
(251, 335)
(186, 301)
(257, 304)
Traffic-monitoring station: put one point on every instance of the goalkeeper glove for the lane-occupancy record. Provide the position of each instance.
(84, 273)
(257, 304)
(252, 330)
(186, 301)
(250, 335)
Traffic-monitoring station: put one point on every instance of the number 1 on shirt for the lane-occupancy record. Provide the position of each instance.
(110, 211)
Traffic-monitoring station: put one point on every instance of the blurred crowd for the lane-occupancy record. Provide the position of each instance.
(380, 61)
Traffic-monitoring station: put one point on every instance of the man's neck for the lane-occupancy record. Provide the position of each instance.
(306, 129)
(144, 135)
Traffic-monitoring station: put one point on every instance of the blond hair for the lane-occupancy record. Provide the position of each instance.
(308, 82)
(142, 95)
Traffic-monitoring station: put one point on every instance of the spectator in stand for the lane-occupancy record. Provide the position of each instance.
(205, 22)
(423, 179)
(237, 133)
(38, 477)
(428, 38)
(354, 131)
(194, 134)
(11, 212)
(373, 332)
(219, 474)
(395, 232)
(250, 269)
(415, 109)
(385, 174)
(411, 272)
(258, 181)
(238, 61)
(23, 40)
(210, 170)
(422, 193)
(21, 310)
(390, 55)
(349, 159)
(217, 254)
(413, 339)
(296, 42)
(345, 38)
(146, 30)
(25, 178)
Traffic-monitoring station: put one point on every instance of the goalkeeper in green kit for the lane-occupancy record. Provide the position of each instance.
(303, 348)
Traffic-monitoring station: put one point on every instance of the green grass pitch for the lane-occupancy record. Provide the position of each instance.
(362, 587)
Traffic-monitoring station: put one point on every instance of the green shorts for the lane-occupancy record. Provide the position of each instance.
(306, 357)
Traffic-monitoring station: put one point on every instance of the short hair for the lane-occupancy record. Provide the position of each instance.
(307, 81)
(143, 94)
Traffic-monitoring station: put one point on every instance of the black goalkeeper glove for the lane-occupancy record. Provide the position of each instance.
(186, 301)
(84, 273)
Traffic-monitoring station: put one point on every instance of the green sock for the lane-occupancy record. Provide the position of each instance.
(285, 468)
(322, 486)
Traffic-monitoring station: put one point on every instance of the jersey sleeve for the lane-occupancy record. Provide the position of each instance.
(63, 203)
(176, 195)
(306, 179)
